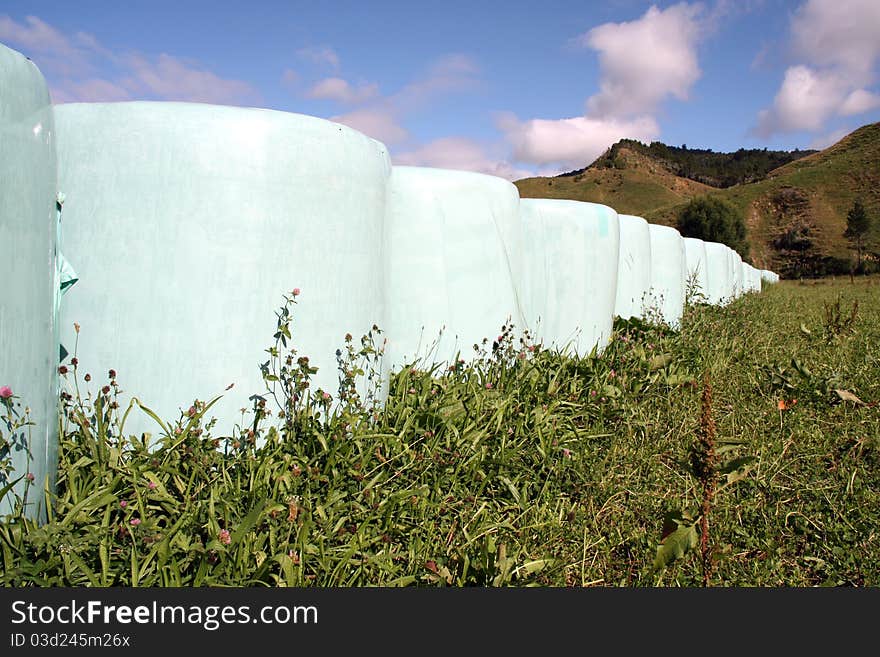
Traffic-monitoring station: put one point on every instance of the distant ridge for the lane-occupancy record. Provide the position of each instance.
(794, 202)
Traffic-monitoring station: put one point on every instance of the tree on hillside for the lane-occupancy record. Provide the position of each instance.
(713, 220)
(858, 223)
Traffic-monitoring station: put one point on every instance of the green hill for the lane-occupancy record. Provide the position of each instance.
(634, 183)
(795, 213)
(703, 165)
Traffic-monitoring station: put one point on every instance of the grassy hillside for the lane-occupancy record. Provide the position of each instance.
(636, 184)
(795, 216)
(704, 165)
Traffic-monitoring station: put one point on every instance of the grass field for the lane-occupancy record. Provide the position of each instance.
(757, 422)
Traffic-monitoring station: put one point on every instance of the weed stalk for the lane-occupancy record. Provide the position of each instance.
(706, 468)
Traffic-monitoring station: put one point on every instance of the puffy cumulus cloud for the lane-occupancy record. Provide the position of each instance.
(840, 43)
(642, 62)
(78, 68)
(342, 91)
(463, 154)
(571, 143)
(806, 100)
(858, 102)
(841, 33)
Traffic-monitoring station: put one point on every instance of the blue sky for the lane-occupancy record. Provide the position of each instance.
(507, 88)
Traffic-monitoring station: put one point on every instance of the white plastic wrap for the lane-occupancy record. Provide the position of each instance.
(188, 222)
(751, 278)
(734, 262)
(697, 267)
(769, 277)
(570, 272)
(718, 273)
(28, 323)
(668, 273)
(634, 267)
(450, 263)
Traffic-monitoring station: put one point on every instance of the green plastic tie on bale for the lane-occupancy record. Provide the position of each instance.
(67, 273)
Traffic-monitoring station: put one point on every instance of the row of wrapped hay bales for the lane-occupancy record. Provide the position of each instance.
(29, 346)
(439, 258)
(189, 222)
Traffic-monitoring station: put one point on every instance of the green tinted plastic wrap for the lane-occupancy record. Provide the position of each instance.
(188, 222)
(569, 306)
(452, 245)
(31, 276)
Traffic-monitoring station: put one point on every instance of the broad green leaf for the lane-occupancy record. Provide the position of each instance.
(249, 521)
(676, 545)
(659, 362)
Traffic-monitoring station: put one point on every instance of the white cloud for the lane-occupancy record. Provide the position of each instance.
(858, 102)
(840, 33)
(341, 91)
(642, 62)
(462, 154)
(806, 100)
(574, 142)
(73, 64)
(840, 43)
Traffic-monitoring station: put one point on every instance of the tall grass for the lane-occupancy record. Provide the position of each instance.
(521, 466)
